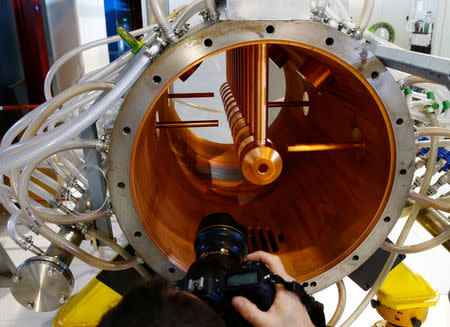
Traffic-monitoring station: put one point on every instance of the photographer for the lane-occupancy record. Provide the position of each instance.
(156, 304)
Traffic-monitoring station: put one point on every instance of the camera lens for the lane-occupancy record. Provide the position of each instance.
(219, 233)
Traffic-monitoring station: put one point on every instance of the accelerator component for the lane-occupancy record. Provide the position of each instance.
(297, 181)
(44, 283)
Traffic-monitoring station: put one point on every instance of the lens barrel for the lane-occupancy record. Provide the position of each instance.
(219, 233)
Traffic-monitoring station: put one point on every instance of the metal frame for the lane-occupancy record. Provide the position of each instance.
(434, 68)
(226, 34)
(97, 183)
(7, 268)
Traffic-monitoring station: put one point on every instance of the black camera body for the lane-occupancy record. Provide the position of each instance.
(221, 271)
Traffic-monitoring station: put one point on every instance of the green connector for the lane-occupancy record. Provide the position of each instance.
(430, 95)
(129, 39)
(432, 109)
(407, 91)
(445, 106)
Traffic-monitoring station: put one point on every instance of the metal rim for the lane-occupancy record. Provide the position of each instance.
(226, 34)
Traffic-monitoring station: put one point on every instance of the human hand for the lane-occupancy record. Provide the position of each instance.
(286, 310)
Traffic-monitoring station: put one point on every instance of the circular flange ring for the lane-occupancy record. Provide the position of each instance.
(190, 50)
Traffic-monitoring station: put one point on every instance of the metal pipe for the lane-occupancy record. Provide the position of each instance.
(287, 104)
(324, 147)
(187, 123)
(191, 95)
(70, 234)
(261, 95)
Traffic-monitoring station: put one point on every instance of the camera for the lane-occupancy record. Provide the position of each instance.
(221, 271)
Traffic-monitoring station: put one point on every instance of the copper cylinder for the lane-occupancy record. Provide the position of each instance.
(322, 206)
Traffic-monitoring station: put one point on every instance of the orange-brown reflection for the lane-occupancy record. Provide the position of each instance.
(320, 208)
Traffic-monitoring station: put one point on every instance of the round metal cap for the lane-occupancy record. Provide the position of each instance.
(42, 283)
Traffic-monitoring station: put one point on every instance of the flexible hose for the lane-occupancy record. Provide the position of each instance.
(318, 8)
(31, 121)
(161, 20)
(430, 202)
(119, 250)
(404, 233)
(47, 180)
(15, 156)
(211, 8)
(9, 194)
(365, 15)
(18, 238)
(61, 219)
(433, 131)
(420, 103)
(435, 241)
(410, 80)
(188, 12)
(62, 97)
(38, 120)
(70, 54)
(342, 10)
(341, 304)
(48, 233)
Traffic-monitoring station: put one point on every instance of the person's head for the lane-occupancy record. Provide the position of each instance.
(156, 304)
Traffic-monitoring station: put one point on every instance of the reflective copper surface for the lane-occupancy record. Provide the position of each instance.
(260, 164)
(323, 204)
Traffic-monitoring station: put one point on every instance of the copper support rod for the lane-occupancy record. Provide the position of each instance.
(250, 91)
(187, 123)
(260, 107)
(324, 147)
(287, 104)
(191, 95)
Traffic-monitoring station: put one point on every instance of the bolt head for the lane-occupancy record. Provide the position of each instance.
(51, 272)
(62, 299)
(30, 305)
(16, 279)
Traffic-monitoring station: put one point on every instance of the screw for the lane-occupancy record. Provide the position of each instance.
(62, 299)
(17, 279)
(30, 305)
(51, 272)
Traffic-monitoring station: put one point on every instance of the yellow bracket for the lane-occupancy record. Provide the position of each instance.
(403, 296)
(86, 308)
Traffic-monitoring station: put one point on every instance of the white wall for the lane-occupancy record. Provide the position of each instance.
(72, 23)
(441, 44)
(395, 12)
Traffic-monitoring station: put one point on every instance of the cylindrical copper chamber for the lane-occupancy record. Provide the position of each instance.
(338, 162)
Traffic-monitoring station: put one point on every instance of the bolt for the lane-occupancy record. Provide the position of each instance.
(62, 299)
(30, 305)
(51, 272)
(17, 279)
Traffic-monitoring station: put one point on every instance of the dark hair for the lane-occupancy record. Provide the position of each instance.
(154, 303)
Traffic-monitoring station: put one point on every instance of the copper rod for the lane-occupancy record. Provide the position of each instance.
(251, 92)
(287, 104)
(324, 147)
(191, 95)
(187, 123)
(248, 63)
(260, 107)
